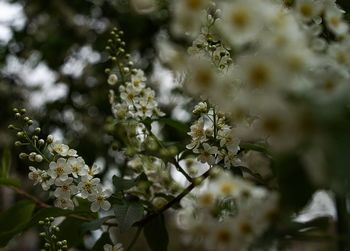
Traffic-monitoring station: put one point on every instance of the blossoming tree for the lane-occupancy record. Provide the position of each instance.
(265, 85)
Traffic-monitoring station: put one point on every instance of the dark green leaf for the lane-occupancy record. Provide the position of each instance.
(9, 182)
(127, 214)
(104, 239)
(95, 224)
(156, 234)
(14, 220)
(121, 184)
(5, 163)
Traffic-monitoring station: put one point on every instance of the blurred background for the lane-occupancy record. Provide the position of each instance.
(52, 62)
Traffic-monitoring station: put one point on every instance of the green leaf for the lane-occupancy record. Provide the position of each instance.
(14, 220)
(5, 163)
(121, 184)
(95, 224)
(127, 214)
(156, 234)
(9, 182)
(104, 239)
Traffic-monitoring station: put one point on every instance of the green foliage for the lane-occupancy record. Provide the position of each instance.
(128, 213)
(121, 184)
(95, 224)
(10, 182)
(156, 234)
(14, 220)
(5, 163)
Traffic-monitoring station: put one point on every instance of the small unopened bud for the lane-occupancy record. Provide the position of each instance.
(42, 234)
(38, 158)
(126, 69)
(11, 127)
(47, 245)
(23, 111)
(18, 143)
(49, 139)
(35, 137)
(18, 115)
(15, 110)
(37, 130)
(41, 222)
(26, 119)
(41, 142)
(54, 237)
(20, 134)
(32, 156)
(23, 155)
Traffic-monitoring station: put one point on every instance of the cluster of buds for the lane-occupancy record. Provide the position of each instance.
(49, 236)
(29, 136)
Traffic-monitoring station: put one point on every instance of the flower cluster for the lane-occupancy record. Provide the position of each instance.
(222, 215)
(136, 100)
(212, 138)
(69, 176)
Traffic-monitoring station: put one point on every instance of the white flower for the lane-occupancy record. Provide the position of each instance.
(95, 169)
(72, 153)
(59, 169)
(112, 79)
(117, 247)
(78, 167)
(61, 149)
(65, 188)
(241, 21)
(47, 181)
(98, 199)
(35, 175)
(308, 9)
(335, 22)
(201, 77)
(64, 203)
(228, 140)
(207, 153)
(197, 133)
(87, 185)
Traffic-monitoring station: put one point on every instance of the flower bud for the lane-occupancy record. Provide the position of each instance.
(20, 134)
(49, 139)
(18, 143)
(41, 142)
(37, 130)
(38, 158)
(23, 155)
